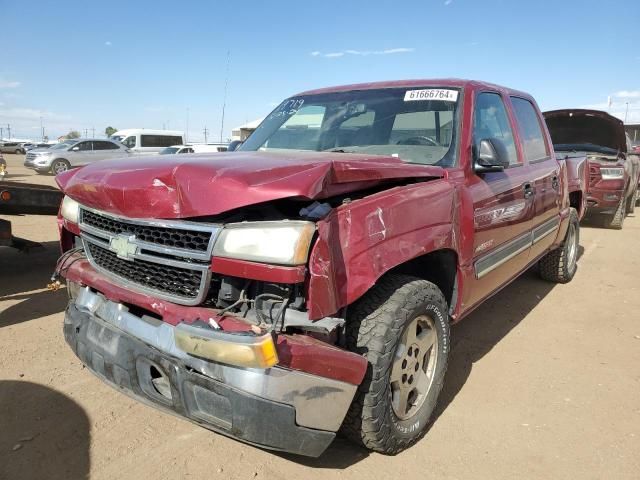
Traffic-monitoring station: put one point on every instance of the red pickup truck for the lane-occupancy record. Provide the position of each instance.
(613, 167)
(306, 283)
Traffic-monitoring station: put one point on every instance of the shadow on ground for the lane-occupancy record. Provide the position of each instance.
(23, 276)
(45, 434)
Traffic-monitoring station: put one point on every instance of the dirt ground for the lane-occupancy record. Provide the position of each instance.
(544, 382)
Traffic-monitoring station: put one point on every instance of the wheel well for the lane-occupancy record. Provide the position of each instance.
(575, 201)
(439, 267)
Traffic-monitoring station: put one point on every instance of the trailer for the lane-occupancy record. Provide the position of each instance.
(18, 198)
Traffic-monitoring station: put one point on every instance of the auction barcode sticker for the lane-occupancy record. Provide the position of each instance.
(431, 94)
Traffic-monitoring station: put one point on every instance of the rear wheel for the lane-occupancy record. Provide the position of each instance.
(616, 221)
(560, 265)
(401, 326)
(60, 165)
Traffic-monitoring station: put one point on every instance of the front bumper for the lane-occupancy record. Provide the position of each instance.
(275, 408)
(604, 201)
(30, 163)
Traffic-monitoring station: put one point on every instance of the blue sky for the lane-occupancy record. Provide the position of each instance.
(89, 64)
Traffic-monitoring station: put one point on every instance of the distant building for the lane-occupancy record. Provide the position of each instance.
(243, 131)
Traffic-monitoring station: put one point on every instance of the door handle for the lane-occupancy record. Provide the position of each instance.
(555, 184)
(528, 190)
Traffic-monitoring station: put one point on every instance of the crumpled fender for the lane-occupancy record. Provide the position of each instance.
(360, 241)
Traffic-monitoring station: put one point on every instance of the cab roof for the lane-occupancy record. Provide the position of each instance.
(435, 82)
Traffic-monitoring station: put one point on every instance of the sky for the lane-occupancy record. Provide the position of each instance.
(86, 65)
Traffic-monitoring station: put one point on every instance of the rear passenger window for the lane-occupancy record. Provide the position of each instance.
(491, 121)
(159, 140)
(530, 130)
(104, 146)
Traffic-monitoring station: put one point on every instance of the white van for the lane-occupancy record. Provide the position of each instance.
(143, 141)
(209, 147)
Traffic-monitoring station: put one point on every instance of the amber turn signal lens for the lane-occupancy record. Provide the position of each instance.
(232, 349)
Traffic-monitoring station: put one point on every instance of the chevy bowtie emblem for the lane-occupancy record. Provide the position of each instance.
(123, 246)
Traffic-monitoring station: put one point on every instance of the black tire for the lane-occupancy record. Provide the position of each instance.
(376, 326)
(631, 203)
(616, 221)
(561, 264)
(59, 165)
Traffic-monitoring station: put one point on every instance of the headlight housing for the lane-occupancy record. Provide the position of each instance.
(612, 173)
(280, 243)
(70, 209)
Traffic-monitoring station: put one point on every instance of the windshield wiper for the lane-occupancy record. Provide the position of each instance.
(339, 150)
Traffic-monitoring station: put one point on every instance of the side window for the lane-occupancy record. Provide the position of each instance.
(129, 142)
(84, 146)
(491, 121)
(103, 145)
(530, 130)
(159, 140)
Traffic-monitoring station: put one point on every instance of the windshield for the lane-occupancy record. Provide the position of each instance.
(169, 150)
(583, 147)
(117, 138)
(417, 125)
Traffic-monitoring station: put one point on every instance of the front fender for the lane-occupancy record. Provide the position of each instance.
(361, 241)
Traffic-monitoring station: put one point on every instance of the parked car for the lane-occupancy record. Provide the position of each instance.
(74, 153)
(12, 147)
(176, 149)
(31, 146)
(307, 282)
(613, 171)
(142, 141)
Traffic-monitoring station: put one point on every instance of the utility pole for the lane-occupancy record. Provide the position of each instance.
(626, 113)
(41, 128)
(93, 132)
(1, 133)
(224, 101)
(9, 131)
(206, 134)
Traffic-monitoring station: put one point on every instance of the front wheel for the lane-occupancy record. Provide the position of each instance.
(561, 264)
(59, 166)
(401, 326)
(616, 221)
(631, 203)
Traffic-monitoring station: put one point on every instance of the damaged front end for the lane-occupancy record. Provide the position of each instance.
(208, 319)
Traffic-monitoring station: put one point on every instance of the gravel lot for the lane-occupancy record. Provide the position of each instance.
(544, 382)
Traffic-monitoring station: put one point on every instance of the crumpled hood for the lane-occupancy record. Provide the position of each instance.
(579, 126)
(172, 186)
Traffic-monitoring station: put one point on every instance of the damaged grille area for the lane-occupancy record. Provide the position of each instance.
(168, 237)
(174, 281)
(166, 258)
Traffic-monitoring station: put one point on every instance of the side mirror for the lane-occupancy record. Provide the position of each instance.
(75, 149)
(490, 156)
(233, 146)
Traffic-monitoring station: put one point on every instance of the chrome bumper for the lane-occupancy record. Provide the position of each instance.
(320, 403)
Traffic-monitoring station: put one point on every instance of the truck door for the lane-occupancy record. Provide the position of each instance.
(81, 154)
(545, 175)
(503, 203)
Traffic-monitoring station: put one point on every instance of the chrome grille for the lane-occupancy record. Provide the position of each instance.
(168, 259)
(175, 281)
